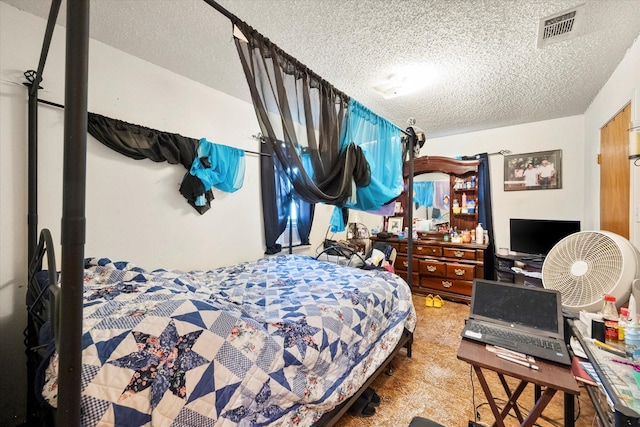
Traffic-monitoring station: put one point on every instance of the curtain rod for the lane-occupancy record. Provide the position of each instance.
(234, 20)
(55, 104)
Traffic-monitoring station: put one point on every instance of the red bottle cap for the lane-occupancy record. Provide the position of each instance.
(610, 298)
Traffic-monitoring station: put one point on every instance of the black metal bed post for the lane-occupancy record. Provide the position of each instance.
(32, 215)
(413, 139)
(33, 85)
(35, 77)
(73, 211)
(32, 235)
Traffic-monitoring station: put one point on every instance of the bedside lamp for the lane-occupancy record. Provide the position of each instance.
(357, 232)
(634, 140)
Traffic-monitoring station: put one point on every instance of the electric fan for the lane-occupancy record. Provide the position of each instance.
(586, 265)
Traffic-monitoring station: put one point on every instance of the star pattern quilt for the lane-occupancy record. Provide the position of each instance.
(278, 341)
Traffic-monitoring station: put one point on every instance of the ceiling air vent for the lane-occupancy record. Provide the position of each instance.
(560, 26)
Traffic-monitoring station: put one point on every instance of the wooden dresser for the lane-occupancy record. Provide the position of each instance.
(443, 268)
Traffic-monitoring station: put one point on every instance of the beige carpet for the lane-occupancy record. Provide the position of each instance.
(434, 384)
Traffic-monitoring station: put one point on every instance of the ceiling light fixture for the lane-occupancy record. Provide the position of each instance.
(406, 80)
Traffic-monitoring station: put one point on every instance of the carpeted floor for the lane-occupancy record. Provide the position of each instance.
(434, 384)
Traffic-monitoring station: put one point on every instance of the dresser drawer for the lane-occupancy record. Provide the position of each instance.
(461, 271)
(460, 253)
(402, 263)
(433, 268)
(460, 287)
(421, 249)
(427, 250)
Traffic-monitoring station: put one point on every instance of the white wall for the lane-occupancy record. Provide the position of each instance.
(622, 87)
(134, 210)
(564, 134)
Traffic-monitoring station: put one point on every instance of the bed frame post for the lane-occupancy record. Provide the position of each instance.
(32, 242)
(33, 85)
(34, 78)
(32, 215)
(412, 144)
(73, 212)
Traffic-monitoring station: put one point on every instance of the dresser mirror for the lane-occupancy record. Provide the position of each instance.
(440, 184)
(431, 201)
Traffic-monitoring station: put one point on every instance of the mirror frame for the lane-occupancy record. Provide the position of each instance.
(426, 164)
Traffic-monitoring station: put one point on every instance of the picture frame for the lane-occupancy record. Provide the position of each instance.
(541, 170)
(394, 225)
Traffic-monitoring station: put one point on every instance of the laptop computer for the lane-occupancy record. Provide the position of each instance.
(519, 318)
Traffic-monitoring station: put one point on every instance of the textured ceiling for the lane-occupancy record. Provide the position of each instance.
(490, 71)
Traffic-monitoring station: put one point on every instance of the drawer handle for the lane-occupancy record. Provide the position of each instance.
(446, 284)
(434, 251)
(458, 271)
(419, 248)
(459, 254)
(431, 268)
(405, 263)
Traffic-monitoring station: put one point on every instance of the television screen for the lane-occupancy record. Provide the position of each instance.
(538, 236)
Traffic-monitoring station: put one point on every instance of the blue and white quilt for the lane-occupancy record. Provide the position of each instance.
(278, 341)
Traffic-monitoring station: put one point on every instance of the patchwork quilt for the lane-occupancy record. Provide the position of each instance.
(278, 341)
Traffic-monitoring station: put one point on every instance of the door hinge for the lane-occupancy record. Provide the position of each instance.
(599, 159)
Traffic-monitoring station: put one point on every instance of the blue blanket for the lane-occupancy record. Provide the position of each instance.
(278, 341)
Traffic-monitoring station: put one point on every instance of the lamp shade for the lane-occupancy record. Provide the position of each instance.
(634, 140)
(354, 216)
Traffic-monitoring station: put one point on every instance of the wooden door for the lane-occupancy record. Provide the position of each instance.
(615, 174)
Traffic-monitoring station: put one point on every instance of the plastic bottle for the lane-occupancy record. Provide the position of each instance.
(623, 322)
(610, 316)
(632, 342)
(464, 200)
(479, 234)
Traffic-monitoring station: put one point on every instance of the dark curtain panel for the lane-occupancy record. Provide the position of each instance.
(305, 218)
(485, 214)
(301, 118)
(139, 142)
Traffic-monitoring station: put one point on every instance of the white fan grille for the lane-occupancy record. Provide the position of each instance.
(583, 267)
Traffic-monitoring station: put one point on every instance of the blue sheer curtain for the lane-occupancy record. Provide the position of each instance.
(218, 166)
(423, 192)
(381, 144)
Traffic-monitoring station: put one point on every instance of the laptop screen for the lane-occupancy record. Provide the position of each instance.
(535, 308)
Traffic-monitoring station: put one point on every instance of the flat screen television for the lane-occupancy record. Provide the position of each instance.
(538, 236)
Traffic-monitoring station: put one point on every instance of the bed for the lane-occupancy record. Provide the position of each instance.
(284, 340)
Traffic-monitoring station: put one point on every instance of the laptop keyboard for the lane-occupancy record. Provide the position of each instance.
(512, 336)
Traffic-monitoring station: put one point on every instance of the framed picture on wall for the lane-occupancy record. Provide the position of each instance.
(541, 170)
(395, 225)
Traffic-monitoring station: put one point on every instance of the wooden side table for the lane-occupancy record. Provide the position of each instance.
(550, 375)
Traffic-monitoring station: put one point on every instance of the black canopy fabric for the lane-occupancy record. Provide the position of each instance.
(301, 117)
(139, 142)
